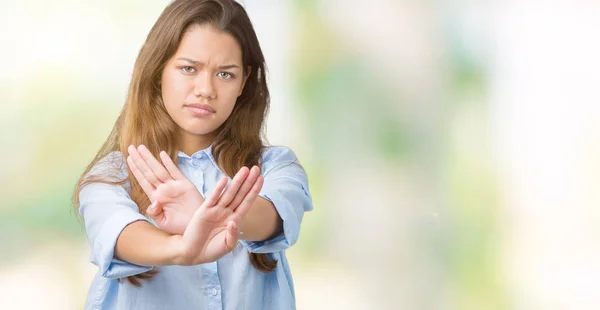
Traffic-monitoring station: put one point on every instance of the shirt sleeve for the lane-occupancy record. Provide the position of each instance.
(106, 210)
(286, 186)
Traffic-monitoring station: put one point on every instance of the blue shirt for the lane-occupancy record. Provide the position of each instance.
(231, 282)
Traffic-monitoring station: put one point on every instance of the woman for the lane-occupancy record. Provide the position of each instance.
(197, 100)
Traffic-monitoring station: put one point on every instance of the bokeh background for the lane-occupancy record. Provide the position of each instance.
(452, 147)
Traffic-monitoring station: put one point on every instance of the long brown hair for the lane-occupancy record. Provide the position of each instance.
(144, 119)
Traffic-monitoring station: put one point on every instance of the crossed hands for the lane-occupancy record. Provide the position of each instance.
(204, 230)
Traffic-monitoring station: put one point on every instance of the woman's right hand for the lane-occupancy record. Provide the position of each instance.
(173, 206)
(212, 230)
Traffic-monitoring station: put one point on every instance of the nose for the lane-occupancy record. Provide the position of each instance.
(203, 86)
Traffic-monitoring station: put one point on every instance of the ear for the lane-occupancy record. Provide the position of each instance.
(244, 79)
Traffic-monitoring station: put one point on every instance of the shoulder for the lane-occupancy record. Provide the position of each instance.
(274, 157)
(278, 154)
(112, 166)
(110, 171)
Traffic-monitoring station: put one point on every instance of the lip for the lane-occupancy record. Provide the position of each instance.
(200, 109)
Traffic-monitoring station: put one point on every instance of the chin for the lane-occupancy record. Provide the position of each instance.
(200, 131)
(197, 127)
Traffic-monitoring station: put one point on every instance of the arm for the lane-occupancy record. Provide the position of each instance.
(173, 218)
(262, 222)
(143, 244)
(210, 234)
(107, 209)
(275, 223)
(279, 209)
(124, 243)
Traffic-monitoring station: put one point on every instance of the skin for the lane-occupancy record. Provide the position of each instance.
(206, 69)
(200, 85)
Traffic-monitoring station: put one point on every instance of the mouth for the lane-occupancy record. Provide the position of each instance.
(200, 109)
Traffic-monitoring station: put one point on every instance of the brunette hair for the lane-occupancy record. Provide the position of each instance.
(144, 119)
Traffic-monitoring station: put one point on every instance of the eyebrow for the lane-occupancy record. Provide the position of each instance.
(195, 62)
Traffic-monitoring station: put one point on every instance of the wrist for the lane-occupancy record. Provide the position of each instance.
(176, 254)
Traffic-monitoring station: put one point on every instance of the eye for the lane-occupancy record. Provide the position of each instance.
(225, 75)
(188, 69)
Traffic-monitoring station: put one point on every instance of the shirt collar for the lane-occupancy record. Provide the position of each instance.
(199, 154)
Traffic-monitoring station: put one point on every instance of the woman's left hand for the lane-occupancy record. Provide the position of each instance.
(170, 217)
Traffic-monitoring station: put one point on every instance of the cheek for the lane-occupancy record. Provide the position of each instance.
(174, 89)
(228, 98)
(231, 92)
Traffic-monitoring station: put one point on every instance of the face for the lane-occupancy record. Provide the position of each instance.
(201, 82)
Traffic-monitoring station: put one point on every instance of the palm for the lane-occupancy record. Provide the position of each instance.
(178, 199)
(209, 235)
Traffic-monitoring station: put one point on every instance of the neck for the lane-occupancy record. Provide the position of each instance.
(190, 143)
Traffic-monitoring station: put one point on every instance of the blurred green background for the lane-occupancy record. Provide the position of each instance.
(452, 147)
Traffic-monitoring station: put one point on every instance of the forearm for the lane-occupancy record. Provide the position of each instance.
(262, 222)
(143, 244)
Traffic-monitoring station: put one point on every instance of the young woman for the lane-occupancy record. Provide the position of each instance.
(171, 233)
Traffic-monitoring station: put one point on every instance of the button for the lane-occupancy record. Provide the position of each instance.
(214, 292)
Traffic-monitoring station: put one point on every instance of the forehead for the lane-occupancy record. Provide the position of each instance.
(207, 44)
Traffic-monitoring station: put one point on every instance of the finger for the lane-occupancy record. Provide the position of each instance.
(231, 237)
(208, 203)
(246, 204)
(143, 166)
(146, 186)
(155, 212)
(171, 189)
(171, 167)
(233, 187)
(154, 209)
(245, 188)
(159, 170)
(216, 193)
